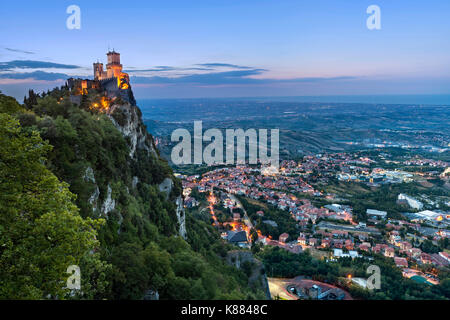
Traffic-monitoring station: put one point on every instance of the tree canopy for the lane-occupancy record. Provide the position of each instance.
(41, 231)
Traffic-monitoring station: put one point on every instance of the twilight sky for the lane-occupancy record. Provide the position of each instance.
(230, 48)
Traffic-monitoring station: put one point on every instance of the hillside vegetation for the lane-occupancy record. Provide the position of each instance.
(72, 191)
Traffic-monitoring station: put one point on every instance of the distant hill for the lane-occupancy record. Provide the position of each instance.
(306, 127)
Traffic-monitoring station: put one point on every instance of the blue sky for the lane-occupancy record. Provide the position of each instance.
(232, 48)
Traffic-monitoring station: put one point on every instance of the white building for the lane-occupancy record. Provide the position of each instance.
(412, 202)
(339, 253)
(372, 213)
(430, 215)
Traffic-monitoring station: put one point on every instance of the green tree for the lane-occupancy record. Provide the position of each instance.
(9, 105)
(41, 232)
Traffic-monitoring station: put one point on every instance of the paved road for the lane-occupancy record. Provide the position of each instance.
(277, 287)
(246, 219)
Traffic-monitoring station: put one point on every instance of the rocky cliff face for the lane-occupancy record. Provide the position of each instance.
(257, 274)
(128, 120)
(166, 187)
(181, 216)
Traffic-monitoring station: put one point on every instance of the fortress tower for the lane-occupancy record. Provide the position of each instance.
(113, 68)
(99, 74)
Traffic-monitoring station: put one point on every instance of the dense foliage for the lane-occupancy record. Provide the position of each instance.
(138, 249)
(41, 231)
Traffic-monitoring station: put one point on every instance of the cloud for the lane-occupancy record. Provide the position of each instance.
(33, 64)
(317, 79)
(37, 75)
(27, 82)
(223, 65)
(154, 69)
(197, 67)
(235, 77)
(168, 68)
(206, 78)
(19, 51)
(239, 76)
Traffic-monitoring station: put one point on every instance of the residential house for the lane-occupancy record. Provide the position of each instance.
(401, 262)
(283, 237)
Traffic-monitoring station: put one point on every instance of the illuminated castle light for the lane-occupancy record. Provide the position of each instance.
(113, 70)
(112, 83)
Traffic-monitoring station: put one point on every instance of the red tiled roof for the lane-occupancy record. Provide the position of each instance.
(400, 262)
